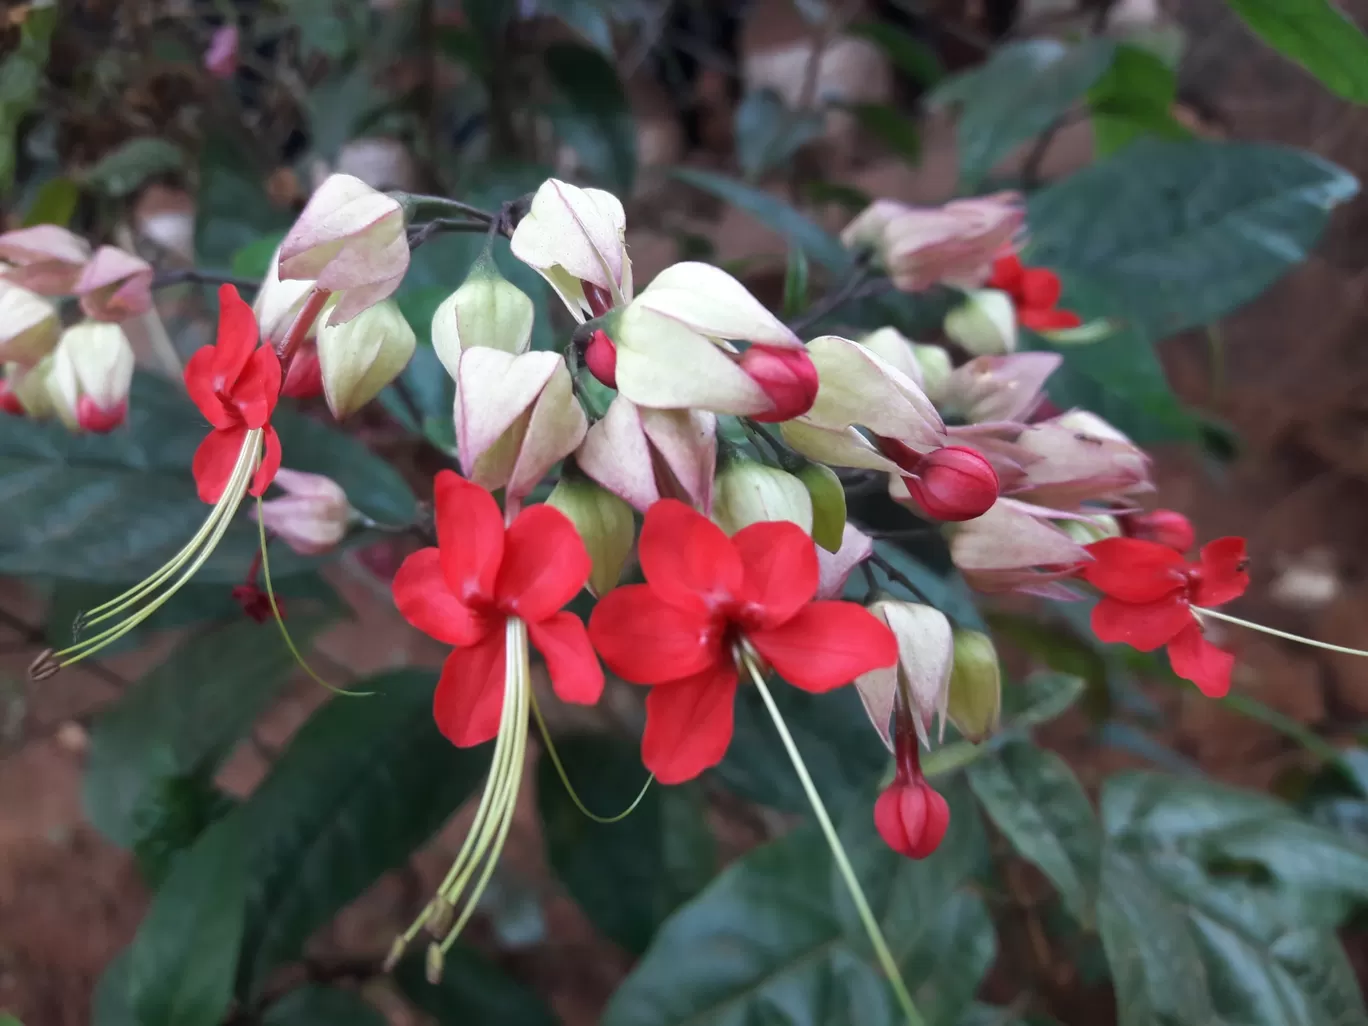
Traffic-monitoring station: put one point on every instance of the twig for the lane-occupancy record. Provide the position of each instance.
(897, 576)
(195, 276)
(857, 286)
(421, 233)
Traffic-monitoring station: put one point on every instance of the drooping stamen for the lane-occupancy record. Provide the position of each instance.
(194, 553)
(1201, 612)
(749, 659)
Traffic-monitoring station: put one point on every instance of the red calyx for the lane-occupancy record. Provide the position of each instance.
(787, 376)
(600, 300)
(304, 377)
(90, 416)
(9, 402)
(910, 815)
(600, 356)
(1166, 526)
(952, 483)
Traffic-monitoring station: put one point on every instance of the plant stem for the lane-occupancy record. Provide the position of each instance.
(833, 300)
(871, 924)
(195, 276)
(1276, 633)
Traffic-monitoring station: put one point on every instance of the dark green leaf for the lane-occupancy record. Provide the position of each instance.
(322, 28)
(1316, 34)
(473, 991)
(1134, 98)
(21, 74)
(176, 812)
(232, 209)
(1182, 233)
(54, 204)
(768, 133)
(593, 118)
(892, 127)
(112, 1003)
(490, 19)
(254, 259)
(1039, 805)
(1016, 95)
(587, 17)
(775, 214)
(181, 963)
(910, 55)
(364, 782)
(1042, 697)
(123, 171)
(339, 107)
(182, 720)
(321, 1006)
(622, 874)
(795, 283)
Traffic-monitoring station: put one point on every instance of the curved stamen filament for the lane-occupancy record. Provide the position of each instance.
(565, 778)
(1201, 612)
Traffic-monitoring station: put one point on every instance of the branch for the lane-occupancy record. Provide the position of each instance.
(857, 286)
(195, 276)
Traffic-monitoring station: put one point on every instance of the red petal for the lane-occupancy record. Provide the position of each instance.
(237, 337)
(574, 669)
(424, 600)
(1223, 576)
(1198, 660)
(1048, 320)
(934, 824)
(899, 814)
(827, 644)
(544, 564)
(199, 373)
(1038, 289)
(779, 562)
(689, 724)
(214, 461)
(1006, 274)
(270, 462)
(470, 533)
(1142, 625)
(469, 698)
(1133, 570)
(687, 559)
(258, 387)
(646, 640)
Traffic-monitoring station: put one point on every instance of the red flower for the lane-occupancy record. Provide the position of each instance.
(910, 815)
(1149, 590)
(480, 574)
(1034, 292)
(235, 383)
(1165, 526)
(705, 593)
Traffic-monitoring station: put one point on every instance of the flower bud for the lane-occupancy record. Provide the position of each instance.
(221, 56)
(952, 483)
(1009, 549)
(925, 654)
(895, 349)
(998, 388)
(115, 285)
(304, 379)
(828, 504)
(605, 525)
(313, 514)
(975, 686)
(936, 369)
(984, 324)
(25, 389)
(29, 325)
(747, 492)
(349, 239)
(835, 568)
(92, 369)
(487, 311)
(1165, 526)
(45, 258)
(857, 386)
(643, 455)
(600, 356)
(278, 302)
(359, 357)
(1091, 529)
(786, 375)
(912, 818)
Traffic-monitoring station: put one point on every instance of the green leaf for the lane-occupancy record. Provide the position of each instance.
(892, 127)
(775, 214)
(114, 507)
(122, 171)
(322, 29)
(909, 54)
(1040, 807)
(21, 75)
(111, 1004)
(626, 876)
(473, 990)
(1182, 233)
(1134, 98)
(55, 203)
(594, 118)
(182, 720)
(1043, 697)
(1017, 94)
(1316, 34)
(254, 259)
(587, 17)
(365, 782)
(321, 1006)
(182, 961)
(795, 283)
(232, 208)
(768, 133)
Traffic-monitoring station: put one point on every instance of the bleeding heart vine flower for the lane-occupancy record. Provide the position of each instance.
(1035, 294)
(487, 590)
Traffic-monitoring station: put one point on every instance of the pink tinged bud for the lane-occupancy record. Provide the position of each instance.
(896, 349)
(488, 311)
(349, 239)
(985, 324)
(998, 388)
(1165, 526)
(313, 514)
(856, 386)
(304, 379)
(115, 285)
(1071, 466)
(220, 59)
(835, 568)
(643, 455)
(711, 302)
(925, 657)
(29, 325)
(912, 818)
(358, 358)
(573, 237)
(840, 447)
(92, 369)
(600, 356)
(46, 259)
(952, 483)
(278, 303)
(787, 377)
(1009, 549)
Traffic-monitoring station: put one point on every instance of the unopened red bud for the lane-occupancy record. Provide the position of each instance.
(952, 483)
(787, 376)
(600, 356)
(91, 416)
(912, 818)
(9, 402)
(600, 300)
(1165, 526)
(304, 379)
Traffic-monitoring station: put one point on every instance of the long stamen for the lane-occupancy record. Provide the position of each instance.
(871, 924)
(1201, 612)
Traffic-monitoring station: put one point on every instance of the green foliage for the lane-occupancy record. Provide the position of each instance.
(1318, 35)
(1134, 98)
(321, 1006)
(593, 117)
(472, 990)
(909, 54)
(122, 171)
(232, 209)
(21, 74)
(768, 133)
